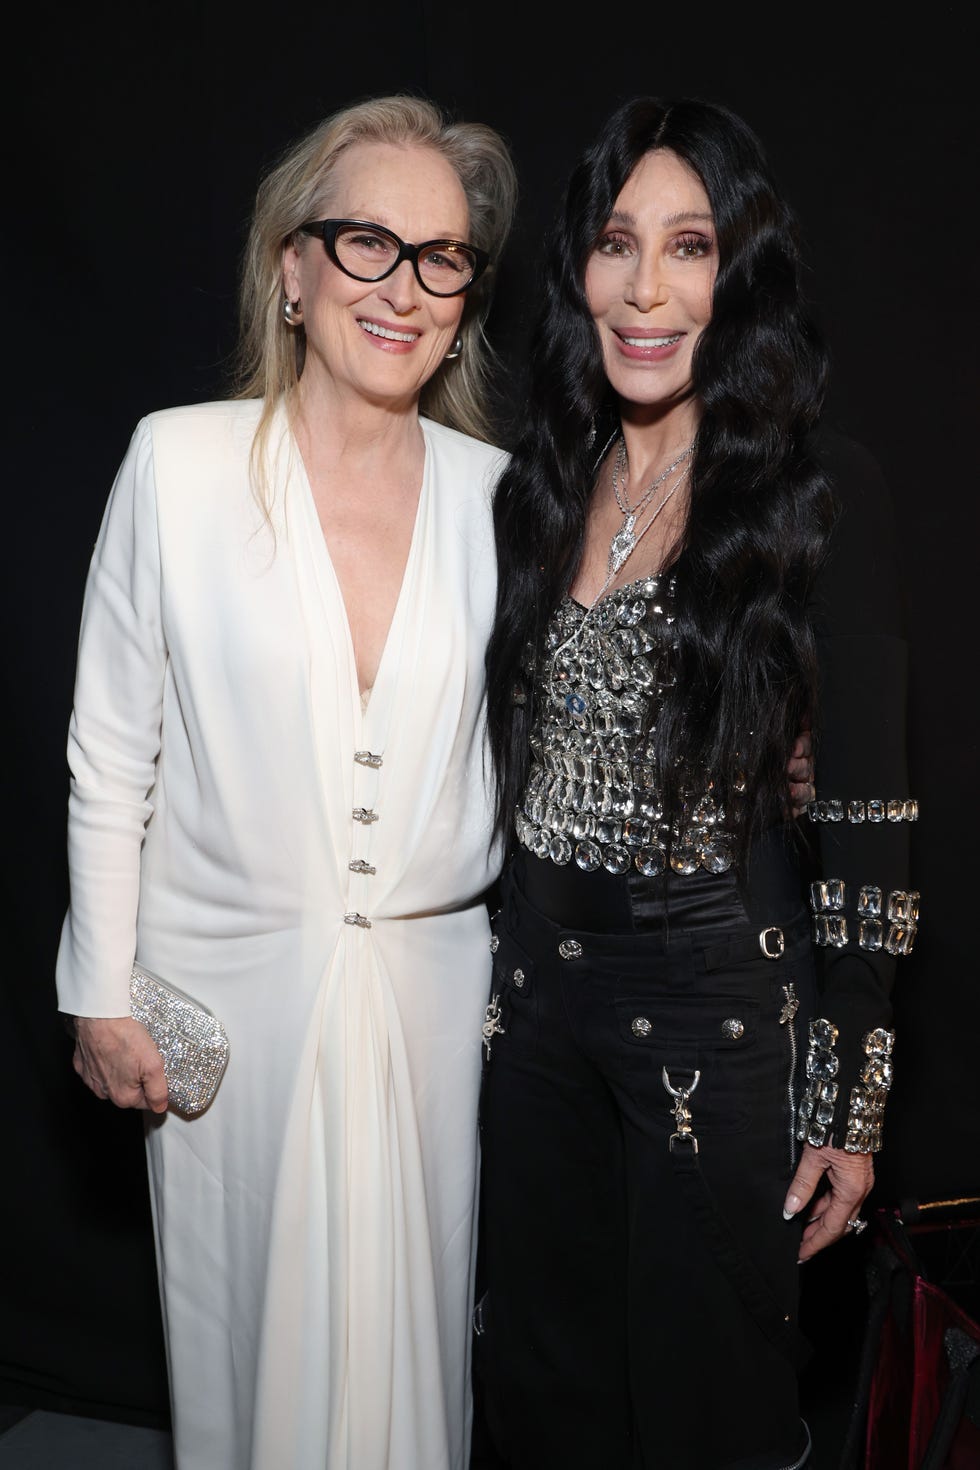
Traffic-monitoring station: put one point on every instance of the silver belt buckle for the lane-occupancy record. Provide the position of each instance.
(778, 943)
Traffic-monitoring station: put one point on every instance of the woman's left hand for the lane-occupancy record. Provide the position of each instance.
(799, 769)
(849, 1180)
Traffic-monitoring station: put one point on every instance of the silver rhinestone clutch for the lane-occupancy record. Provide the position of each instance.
(191, 1040)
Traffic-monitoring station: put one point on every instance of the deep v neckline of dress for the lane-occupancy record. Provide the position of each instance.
(321, 554)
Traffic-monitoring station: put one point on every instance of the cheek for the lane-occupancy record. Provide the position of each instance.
(707, 295)
(448, 315)
(596, 292)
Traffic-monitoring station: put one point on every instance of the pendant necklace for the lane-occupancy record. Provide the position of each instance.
(625, 539)
(620, 550)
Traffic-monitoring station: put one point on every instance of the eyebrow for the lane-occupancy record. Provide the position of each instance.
(669, 221)
(382, 220)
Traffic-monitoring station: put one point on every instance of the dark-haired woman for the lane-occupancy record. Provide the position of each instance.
(679, 1105)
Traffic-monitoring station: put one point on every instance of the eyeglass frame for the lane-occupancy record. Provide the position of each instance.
(327, 230)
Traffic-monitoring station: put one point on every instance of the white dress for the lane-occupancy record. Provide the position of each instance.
(315, 1228)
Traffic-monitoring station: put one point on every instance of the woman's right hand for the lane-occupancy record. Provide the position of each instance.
(117, 1058)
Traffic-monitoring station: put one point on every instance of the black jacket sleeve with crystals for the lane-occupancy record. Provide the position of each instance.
(864, 910)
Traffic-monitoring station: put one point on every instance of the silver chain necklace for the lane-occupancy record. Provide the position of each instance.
(625, 539)
(619, 557)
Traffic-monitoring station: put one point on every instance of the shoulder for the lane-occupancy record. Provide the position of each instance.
(471, 456)
(854, 473)
(196, 446)
(184, 459)
(862, 571)
(227, 426)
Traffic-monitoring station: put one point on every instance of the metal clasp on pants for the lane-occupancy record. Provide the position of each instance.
(681, 1111)
(491, 1026)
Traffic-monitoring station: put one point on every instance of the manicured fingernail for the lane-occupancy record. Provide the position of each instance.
(792, 1204)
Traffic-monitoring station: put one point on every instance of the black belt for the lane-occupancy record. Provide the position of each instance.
(770, 943)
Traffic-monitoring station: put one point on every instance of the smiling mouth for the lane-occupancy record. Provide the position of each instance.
(387, 333)
(650, 341)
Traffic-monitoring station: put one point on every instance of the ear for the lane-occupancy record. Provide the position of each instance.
(290, 272)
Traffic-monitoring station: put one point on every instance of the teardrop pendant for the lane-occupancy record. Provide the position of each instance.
(622, 544)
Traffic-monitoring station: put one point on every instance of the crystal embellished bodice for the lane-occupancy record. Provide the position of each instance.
(593, 796)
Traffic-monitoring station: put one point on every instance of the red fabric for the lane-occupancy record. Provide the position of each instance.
(911, 1376)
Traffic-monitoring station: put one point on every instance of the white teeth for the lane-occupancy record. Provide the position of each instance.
(385, 332)
(652, 341)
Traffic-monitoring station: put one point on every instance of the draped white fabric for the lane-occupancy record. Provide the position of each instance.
(315, 1228)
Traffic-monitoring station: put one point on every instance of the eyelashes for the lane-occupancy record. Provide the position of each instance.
(620, 246)
(694, 246)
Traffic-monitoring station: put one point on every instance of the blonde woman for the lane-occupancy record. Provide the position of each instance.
(278, 805)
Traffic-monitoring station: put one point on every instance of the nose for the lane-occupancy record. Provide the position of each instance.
(401, 290)
(645, 286)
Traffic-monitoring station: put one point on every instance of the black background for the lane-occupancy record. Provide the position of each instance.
(136, 136)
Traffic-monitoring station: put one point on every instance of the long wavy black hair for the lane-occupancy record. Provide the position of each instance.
(760, 505)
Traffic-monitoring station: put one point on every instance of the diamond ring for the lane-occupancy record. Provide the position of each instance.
(857, 1226)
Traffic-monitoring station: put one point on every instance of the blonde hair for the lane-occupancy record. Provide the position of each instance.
(270, 355)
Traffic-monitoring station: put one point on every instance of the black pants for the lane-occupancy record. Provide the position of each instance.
(641, 1295)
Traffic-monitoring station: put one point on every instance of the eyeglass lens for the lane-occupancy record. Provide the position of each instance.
(370, 253)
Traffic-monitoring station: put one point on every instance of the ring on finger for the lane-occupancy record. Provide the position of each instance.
(857, 1225)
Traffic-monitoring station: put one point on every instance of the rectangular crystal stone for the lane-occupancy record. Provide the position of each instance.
(855, 811)
(835, 810)
(828, 895)
(898, 905)
(820, 930)
(876, 810)
(896, 810)
(911, 810)
(837, 930)
(900, 939)
(869, 901)
(869, 933)
(637, 833)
